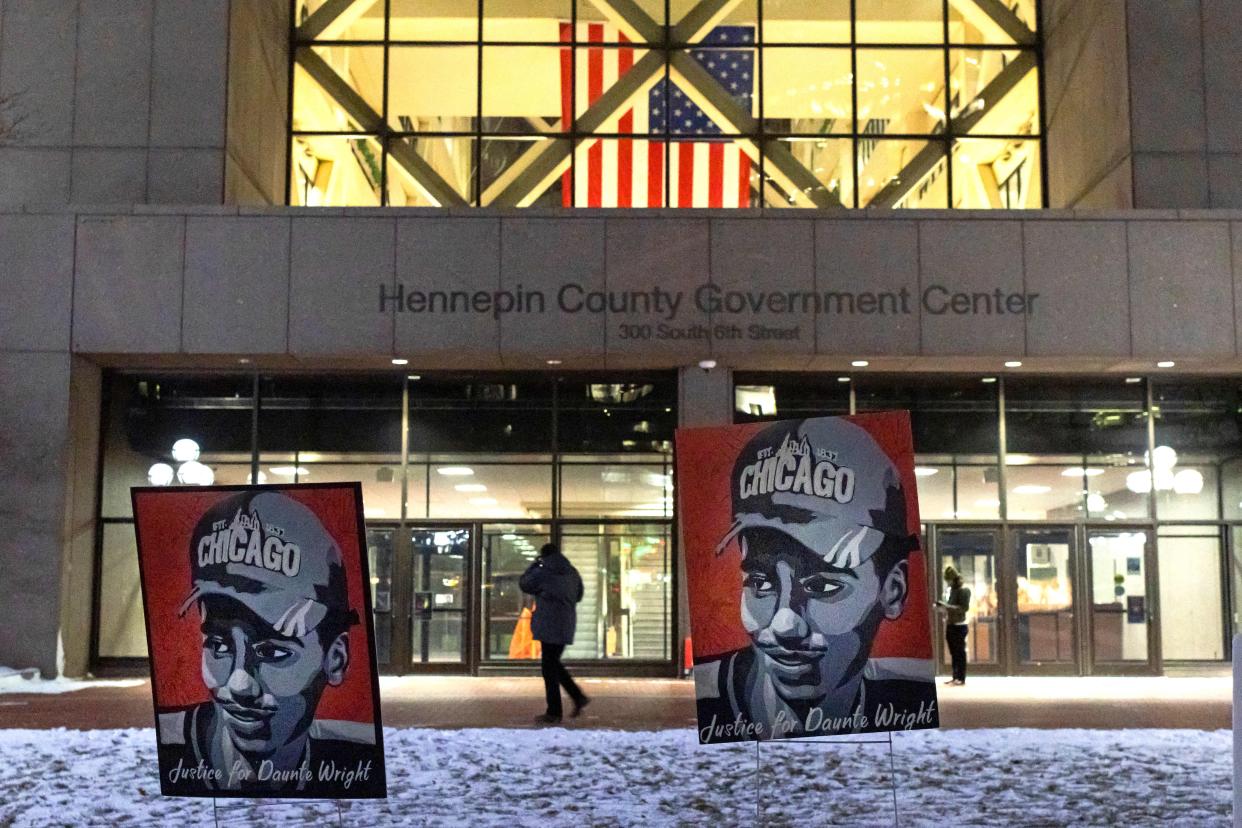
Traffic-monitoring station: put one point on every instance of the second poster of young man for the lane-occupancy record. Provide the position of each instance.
(259, 630)
(808, 600)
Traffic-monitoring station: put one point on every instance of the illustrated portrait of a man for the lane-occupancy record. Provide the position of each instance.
(820, 519)
(269, 590)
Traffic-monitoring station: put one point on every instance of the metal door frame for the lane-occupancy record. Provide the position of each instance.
(936, 567)
(1009, 601)
(1154, 665)
(404, 648)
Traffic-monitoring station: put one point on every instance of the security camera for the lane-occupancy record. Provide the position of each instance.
(707, 365)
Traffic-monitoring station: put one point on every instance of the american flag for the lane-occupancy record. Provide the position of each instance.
(629, 172)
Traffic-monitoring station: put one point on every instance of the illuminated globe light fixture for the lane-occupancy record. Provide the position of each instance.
(161, 474)
(1163, 476)
(194, 473)
(1188, 482)
(1139, 482)
(185, 450)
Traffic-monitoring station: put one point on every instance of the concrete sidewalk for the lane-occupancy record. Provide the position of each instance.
(658, 704)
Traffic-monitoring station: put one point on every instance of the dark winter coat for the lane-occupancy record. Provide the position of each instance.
(958, 603)
(557, 586)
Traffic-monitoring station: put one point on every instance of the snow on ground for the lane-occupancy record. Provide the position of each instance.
(581, 777)
(16, 684)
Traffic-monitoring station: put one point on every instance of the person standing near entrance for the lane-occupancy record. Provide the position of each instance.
(557, 588)
(955, 605)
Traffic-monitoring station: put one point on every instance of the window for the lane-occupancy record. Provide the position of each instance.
(489, 466)
(1075, 449)
(597, 103)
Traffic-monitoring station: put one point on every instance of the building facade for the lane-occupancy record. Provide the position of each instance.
(485, 256)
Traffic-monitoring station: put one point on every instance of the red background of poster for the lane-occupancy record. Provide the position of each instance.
(705, 458)
(165, 521)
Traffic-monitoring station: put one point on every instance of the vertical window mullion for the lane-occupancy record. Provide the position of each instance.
(762, 146)
(854, 101)
(385, 137)
(571, 128)
(477, 132)
(948, 110)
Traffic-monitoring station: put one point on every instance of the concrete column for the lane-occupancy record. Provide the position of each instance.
(258, 107)
(77, 581)
(1087, 104)
(1168, 118)
(704, 398)
(34, 441)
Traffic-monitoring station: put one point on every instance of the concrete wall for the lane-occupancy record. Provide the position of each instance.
(1186, 117)
(1087, 104)
(1142, 106)
(1114, 290)
(258, 110)
(122, 101)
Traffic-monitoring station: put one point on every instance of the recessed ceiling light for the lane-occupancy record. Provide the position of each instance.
(554, 362)
(1168, 363)
(455, 471)
(989, 379)
(925, 471)
(843, 379)
(860, 363)
(414, 377)
(399, 361)
(707, 364)
(470, 487)
(1013, 363)
(1134, 380)
(244, 361)
(1031, 489)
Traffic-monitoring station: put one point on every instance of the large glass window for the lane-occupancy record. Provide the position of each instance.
(625, 612)
(594, 103)
(489, 466)
(956, 440)
(1076, 449)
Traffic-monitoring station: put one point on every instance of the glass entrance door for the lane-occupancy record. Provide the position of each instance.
(973, 553)
(1120, 575)
(1041, 585)
(440, 571)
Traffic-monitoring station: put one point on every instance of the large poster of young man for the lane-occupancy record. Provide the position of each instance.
(808, 601)
(259, 630)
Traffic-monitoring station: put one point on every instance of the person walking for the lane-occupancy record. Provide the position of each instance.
(557, 587)
(955, 605)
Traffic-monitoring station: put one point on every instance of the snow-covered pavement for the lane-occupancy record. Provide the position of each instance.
(580, 777)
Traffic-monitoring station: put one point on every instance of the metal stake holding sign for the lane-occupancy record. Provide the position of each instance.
(892, 768)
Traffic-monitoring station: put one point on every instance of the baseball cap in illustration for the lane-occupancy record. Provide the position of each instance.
(271, 554)
(824, 482)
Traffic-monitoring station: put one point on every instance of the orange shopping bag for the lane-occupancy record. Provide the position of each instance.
(523, 644)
